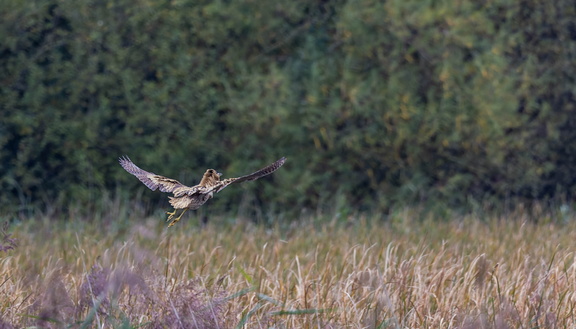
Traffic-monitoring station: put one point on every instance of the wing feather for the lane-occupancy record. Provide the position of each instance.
(190, 191)
(151, 180)
(253, 176)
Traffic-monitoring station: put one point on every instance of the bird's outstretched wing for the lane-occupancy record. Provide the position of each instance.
(253, 176)
(151, 180)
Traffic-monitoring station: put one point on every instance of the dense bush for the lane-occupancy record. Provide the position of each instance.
(377, 102)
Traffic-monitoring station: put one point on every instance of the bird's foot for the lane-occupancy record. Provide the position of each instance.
(176, 220)
(171, 214)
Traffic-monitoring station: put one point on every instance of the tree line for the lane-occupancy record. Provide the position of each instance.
(374, 103)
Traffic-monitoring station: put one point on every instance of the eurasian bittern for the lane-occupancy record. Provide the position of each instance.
(191, 197)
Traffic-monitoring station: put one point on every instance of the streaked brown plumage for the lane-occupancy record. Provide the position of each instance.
(186, 197)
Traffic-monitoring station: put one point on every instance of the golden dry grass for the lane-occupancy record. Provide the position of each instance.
(358, 273)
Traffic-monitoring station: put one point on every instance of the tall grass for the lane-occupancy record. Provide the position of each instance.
(357, 272)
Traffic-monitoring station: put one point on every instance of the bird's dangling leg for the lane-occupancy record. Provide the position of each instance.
(171, 214)
(174, 221)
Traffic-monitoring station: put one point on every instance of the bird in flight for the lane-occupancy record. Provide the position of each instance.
(191, 197)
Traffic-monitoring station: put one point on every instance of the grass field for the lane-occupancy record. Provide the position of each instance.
(318, 272)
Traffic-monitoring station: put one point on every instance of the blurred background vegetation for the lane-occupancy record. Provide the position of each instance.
(374, 103)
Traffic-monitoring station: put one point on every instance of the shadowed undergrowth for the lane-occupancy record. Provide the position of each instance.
(354, 273)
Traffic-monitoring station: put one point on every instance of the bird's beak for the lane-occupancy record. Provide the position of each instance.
(219, 174)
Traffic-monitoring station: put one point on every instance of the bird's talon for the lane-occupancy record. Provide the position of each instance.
(172, 223)
(177, 219)
(171, 214)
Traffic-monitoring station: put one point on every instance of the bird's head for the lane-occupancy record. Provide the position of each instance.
(211, 177)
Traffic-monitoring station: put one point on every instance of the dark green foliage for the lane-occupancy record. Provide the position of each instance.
(382, 102)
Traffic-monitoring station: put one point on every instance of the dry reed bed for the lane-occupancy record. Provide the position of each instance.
(463, 273)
